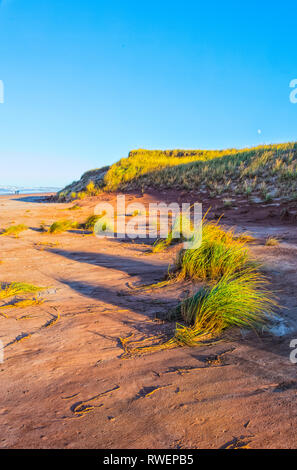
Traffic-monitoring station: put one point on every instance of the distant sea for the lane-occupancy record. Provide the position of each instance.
(4, 190)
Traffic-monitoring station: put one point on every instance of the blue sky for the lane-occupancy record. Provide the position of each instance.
(87, 81)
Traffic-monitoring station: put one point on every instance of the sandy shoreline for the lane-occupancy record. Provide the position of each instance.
(238, 393)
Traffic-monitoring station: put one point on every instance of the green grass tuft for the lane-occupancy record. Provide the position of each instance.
(62, 226)
(89, 224)
(220, 253)
(241, 300)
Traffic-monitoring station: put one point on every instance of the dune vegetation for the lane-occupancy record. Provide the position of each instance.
(89, 224)
(264, 169)
(272, 241)
(267, 171)
(220, 253)
(234, 293)
(240, 299)
(62, 226)
(16, 288)
(14, 230)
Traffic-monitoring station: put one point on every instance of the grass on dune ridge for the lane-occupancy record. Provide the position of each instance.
(267, 171)
(137, 167)
(264, 169)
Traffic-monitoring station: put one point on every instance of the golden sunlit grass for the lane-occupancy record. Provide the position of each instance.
(244, 237)
(15, 288)
(241, 300)
(219, 253)
(141, 166)
(236, 300)
(62, 226)
(23, 303)
(265, 170)
(161, 245)
(14, 230)
(90, 190)
(89, 224)
(237, 294)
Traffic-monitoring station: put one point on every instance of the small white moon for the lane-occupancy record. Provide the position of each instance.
(259, 131)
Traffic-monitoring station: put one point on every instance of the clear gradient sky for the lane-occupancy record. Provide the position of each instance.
(87, 81)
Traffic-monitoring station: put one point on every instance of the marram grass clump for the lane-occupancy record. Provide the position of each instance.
(91, 221)
(14, 230)
(241, 300)
(219, 253)
(236, 300)
(236, 294)
(272, 241)
(16, 288)
(62, 226)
